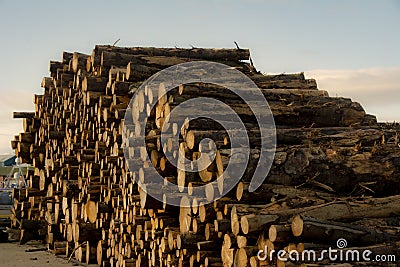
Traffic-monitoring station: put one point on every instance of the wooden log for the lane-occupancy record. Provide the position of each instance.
(198, 53)
(338, 210)
(23, 115)
(60, 248)
(251, 223)
(320, 112)
(54, 65)
(94, 84)
(78, 61)
(330, 232)
(279, 233)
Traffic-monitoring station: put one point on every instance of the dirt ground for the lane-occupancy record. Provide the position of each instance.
(15, 255)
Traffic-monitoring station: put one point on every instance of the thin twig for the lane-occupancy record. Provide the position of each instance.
(366, 188)
(72, 253)
(116, 41)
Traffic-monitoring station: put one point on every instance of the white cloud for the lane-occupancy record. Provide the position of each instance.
(377, 89)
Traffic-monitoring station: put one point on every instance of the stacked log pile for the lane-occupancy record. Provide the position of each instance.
(335, 173)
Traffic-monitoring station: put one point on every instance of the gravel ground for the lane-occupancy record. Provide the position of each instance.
(15, 255)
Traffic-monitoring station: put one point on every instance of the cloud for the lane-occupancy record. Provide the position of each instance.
(377, 89)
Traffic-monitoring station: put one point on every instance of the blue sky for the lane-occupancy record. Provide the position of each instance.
(350, 47)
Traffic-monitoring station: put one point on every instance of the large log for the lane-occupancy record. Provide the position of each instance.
(329, 232)
(198, 53)
(23, 115)
(340, 211)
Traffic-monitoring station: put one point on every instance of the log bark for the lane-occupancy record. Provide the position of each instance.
(23, 115)
(198, 53)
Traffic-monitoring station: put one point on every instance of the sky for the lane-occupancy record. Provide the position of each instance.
(351, 47)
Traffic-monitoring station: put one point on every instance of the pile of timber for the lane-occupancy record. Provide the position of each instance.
(335, 173)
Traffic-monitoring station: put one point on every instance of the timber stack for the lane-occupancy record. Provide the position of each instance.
(336, 171)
